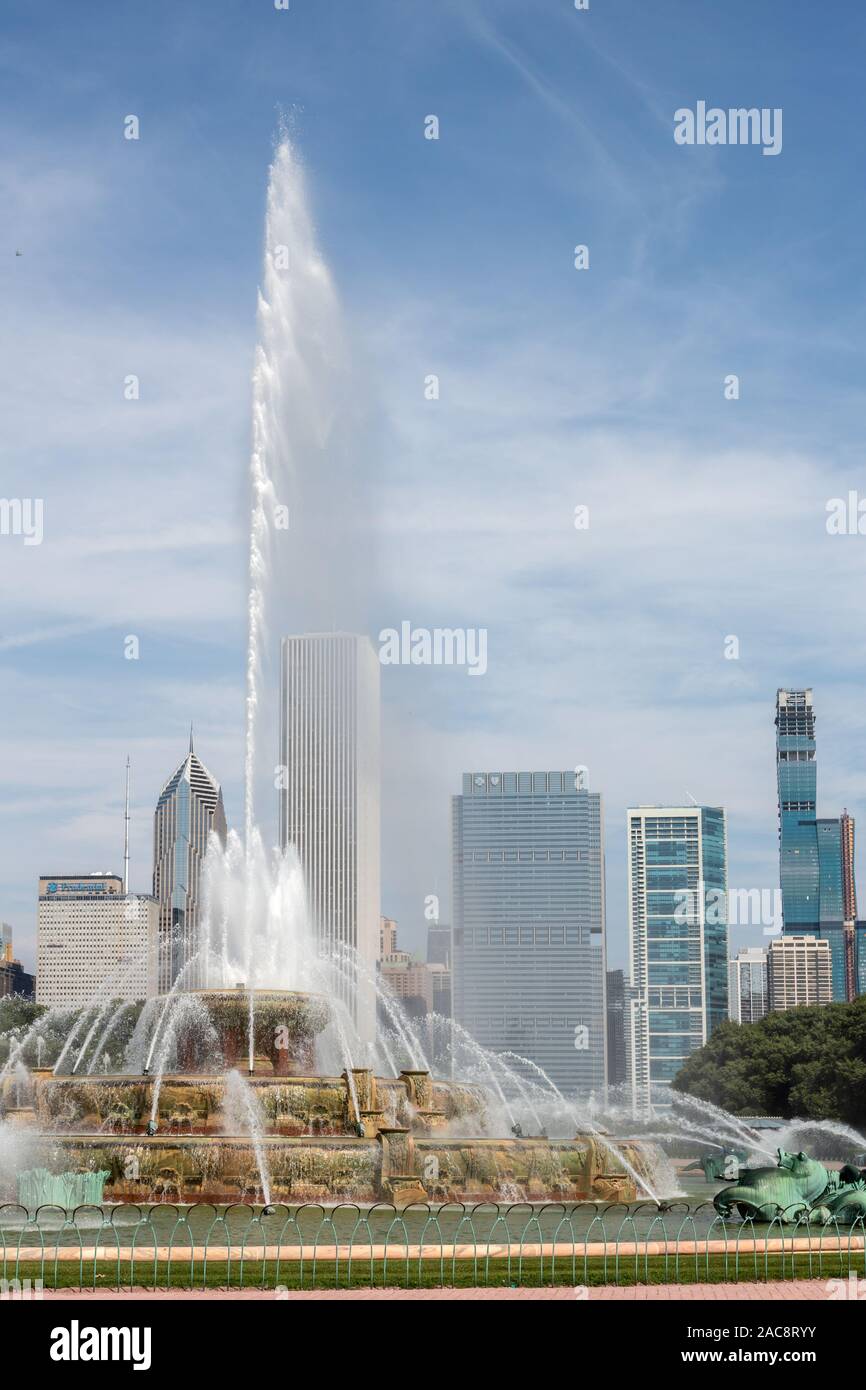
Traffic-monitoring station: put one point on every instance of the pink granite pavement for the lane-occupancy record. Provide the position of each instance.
(792, 1289)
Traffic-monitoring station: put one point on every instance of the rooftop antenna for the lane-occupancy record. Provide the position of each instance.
(191, 749)
(126, 834)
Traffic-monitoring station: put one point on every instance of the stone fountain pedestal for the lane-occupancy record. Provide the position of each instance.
(398, 1181)
(370, 1115)
(419, 1085)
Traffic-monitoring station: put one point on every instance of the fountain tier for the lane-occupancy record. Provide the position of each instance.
(284, 1027)
(398, 1166)
(202, 1130)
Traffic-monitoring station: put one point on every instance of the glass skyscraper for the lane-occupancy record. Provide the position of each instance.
(747, 985)
(797, 778)
(617, 1052)
(678, 938)
(816, 854)
(529, 936)
(190, 806)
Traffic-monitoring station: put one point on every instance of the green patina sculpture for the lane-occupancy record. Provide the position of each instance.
(717, 1167)
(845, 1197)
(37, 1187)
(798, 1188)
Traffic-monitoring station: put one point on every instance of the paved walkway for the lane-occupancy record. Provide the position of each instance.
(780, 1291)
(530, 1250)
(793, 1289)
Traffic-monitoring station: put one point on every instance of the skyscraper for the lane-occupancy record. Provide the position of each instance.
(329, 796)
(797, 778)
(387, 937)
(439, 960)
(637, 1052)
(14, 979)
(799, 972)
(93, 941)
(190, 806)
(849, 908)
(747, 985)
(816, 854)
(438, 943)
(678, 937)
(529, 940)
(617, 1055)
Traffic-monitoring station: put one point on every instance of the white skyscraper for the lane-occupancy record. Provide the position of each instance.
(329, 793)
(94, 942)
(799, 972)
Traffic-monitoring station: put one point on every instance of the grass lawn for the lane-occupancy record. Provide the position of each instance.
(432, 1273)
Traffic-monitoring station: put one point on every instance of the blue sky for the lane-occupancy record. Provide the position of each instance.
(558, 388)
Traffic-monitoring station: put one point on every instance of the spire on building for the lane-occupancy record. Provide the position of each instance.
(126, 832)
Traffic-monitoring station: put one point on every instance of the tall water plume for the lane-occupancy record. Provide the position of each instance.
(307, 567)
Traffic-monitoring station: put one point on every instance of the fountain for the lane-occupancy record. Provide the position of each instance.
(284, 1132)
(250, 1079)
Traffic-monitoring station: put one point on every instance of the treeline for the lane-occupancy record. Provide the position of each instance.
(41, 1045)
(808, 1062)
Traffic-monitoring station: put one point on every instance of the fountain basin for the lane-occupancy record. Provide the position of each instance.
(203, 1131)
(357, 1137)
(191, 1103)
(396, 1166)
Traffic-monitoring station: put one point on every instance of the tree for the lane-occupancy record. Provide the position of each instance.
(38, 1035)
(807, 1062)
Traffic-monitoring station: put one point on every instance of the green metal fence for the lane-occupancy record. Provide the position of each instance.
(313, 1246)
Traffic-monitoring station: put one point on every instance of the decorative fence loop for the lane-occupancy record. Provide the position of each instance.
(166, 1245)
